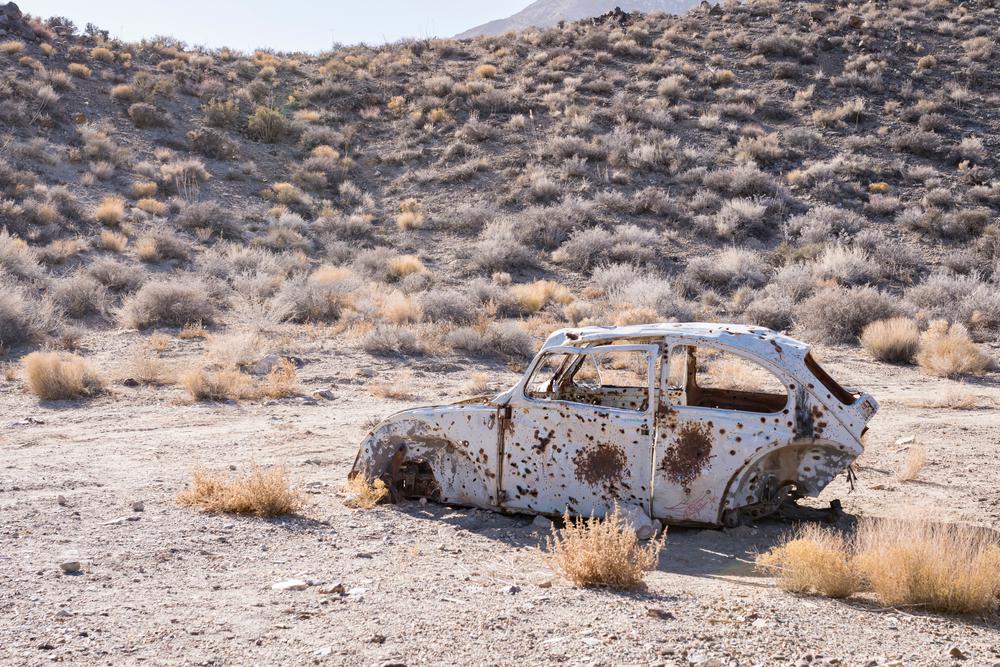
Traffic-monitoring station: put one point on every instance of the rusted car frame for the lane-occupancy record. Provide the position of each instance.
(568, 438)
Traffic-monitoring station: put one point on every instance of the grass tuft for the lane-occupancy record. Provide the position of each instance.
(261, 493)
(601, 552)
(57, 376)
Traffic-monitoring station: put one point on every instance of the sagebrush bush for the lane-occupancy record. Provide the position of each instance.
(173, 302)
(894, 340)
(266, 125)
(57, 376)
(838, 315)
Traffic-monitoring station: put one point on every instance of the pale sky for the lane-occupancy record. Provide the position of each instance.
(284, 25)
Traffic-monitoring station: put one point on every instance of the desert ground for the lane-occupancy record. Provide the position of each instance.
(422, 584)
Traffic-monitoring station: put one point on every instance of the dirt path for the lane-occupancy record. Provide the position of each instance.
(422, 584)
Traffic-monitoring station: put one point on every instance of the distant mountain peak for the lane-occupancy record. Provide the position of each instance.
(547, 13)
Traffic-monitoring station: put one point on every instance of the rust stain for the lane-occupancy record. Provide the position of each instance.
(690, 453)
(601, 464)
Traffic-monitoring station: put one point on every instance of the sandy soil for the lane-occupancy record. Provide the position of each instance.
(422, 584)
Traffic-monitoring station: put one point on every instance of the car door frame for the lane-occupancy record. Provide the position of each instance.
(697, 450)
(601, 464)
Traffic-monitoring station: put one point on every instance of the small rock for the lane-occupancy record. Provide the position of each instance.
(138, 506)
(324, 394)
(662, 614)
(70, 566)
(423, 501)
(323, 652)
(376, 639)
(906, 440)
(290, 585)
(511, 590)
(357, 593)
(545, 584)
(333, 589)
(541, 522)
(130, 382)
(957, 653)
(61, 501)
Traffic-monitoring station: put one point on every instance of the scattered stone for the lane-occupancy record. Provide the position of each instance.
(323, 652)
(333, 589)
(324, 394)
(957, 653)
(61, 501)
(138, 506)
(130, 382)
(541, 522)
(71, 566)
(662, 614)
(376, 639)
(511, 590)
(290, 585)
(906, 440)
(644, 527)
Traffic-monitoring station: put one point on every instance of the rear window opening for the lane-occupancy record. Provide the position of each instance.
(841, 394)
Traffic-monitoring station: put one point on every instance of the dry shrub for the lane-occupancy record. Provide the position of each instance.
(894, 340)
(55, 376)
(204, 384)
(78, 70)
(628, 315)
(282, 381)
(151, 206)
(478, 384)
(404, 265)
(143, 189)
(399, 308)
(110, 211)
(814, 560)
(601, 552)
(532, 297)
(364, 495)
(916, 459)
(147, 369)
(112, 241)
(397, 389)
(192, 330)
(266, 125)
(176, 301)
(409, 216)
(947, 351)
(262, 493)
(103, 54)
(11, 47)
(934, 566)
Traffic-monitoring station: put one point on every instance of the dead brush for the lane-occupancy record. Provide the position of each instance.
(397, 390)
(57, 376)
(813, 560)
(894, 340)
(934, 566)
(262, 493)
(947, 351)
(916, 459)
(604, 552)
(362, 494)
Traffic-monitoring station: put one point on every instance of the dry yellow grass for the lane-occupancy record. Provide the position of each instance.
(112, 241)
(486, 71)
(916, 459)
(103, 54)
(78, 70)
(147, 369)
(399, 308)
(159, 342)
(938, 567)
(280, 382)
(110, 211)
(364, 495)
(404, 265)
(397, 389)
(628, 315)
(949, 352)
(409, 216)
(204, 384)
(192, 330)
(894, 340)
(436, 115)
(262, 493)
(601, 552)
(814, 560)
(532, 297)
(151, 206)
(477, 384)
(9, 372)
(11, 47)
(143, 189)
(58, 375)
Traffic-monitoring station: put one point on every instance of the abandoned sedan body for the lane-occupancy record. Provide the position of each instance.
(694, 423)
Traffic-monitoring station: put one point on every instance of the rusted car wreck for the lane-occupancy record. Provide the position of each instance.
(704, 424)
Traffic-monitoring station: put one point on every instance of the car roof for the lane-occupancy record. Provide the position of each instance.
(759, 341)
